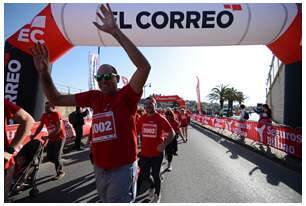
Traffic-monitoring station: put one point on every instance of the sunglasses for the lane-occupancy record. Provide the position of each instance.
(106, 76)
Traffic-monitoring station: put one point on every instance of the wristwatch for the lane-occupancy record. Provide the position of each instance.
(11, 150)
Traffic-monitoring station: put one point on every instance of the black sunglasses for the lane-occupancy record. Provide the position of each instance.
(105, 76)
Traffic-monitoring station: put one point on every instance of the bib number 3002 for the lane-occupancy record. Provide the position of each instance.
(103, 127)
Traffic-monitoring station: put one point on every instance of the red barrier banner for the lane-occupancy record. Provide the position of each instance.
(245, 128)
(283, 138)
(11, 130)
(219, 122)
(87, 127)
(69, 132)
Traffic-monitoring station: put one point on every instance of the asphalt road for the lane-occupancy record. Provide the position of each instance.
(208, 169)
(211, 169)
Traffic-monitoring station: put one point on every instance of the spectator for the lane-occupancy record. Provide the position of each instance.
(242, 113)
(12, 111)
(151, 127)
(243, 117)
(265, 115)
(76, 118)
(114, 149)
(52, 119)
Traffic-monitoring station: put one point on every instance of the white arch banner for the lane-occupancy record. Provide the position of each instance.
(169, 25)
(63, 26)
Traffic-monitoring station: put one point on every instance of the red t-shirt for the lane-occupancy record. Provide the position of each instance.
(51, 120)
(151, 128)
(10, 110)
(183, 120)
(176, 115)
(114, 141)
(137, 117)
(175, 125)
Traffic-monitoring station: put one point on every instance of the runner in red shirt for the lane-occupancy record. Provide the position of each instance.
(52, 119)
(176, 114)
(184, 123)
(139, 114)
(171, 148)
(151, 127)
(12, 111)
(188, 113)
(114, 141)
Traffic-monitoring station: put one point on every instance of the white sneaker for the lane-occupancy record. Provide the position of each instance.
(169, 168)
(156, 198)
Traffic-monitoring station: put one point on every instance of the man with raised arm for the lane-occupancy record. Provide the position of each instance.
(114, 142)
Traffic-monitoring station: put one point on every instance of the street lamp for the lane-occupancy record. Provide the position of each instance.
(144, 89)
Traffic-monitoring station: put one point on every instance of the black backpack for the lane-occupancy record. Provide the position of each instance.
(71, 118)
(246, 115)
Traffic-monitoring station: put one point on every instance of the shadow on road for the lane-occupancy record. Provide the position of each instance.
(77, 190)
(273, 175)
(76, 157)
(44, 179)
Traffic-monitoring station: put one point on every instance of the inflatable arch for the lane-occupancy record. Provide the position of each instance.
(149, 25)
(173, 98)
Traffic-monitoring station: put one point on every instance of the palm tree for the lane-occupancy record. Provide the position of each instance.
(218, 94)
(230, 96)
(240, 97)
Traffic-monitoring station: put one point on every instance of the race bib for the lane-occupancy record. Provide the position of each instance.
(149, 130)
(103, 127)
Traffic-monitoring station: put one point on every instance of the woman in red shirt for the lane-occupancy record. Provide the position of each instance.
(184, 123)
(151, 127)
(171, 148)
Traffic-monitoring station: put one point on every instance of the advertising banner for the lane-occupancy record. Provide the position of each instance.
(283, 138)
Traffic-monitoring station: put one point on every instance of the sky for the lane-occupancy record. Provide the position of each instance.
(173, 70)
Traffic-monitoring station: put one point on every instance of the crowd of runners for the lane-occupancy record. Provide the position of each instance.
(128, 141)
(118, 129)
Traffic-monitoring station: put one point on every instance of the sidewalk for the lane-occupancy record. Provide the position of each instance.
(270, 152)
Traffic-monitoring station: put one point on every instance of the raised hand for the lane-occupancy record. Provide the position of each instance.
(108, 20)
(40, 57)
(7, 156)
